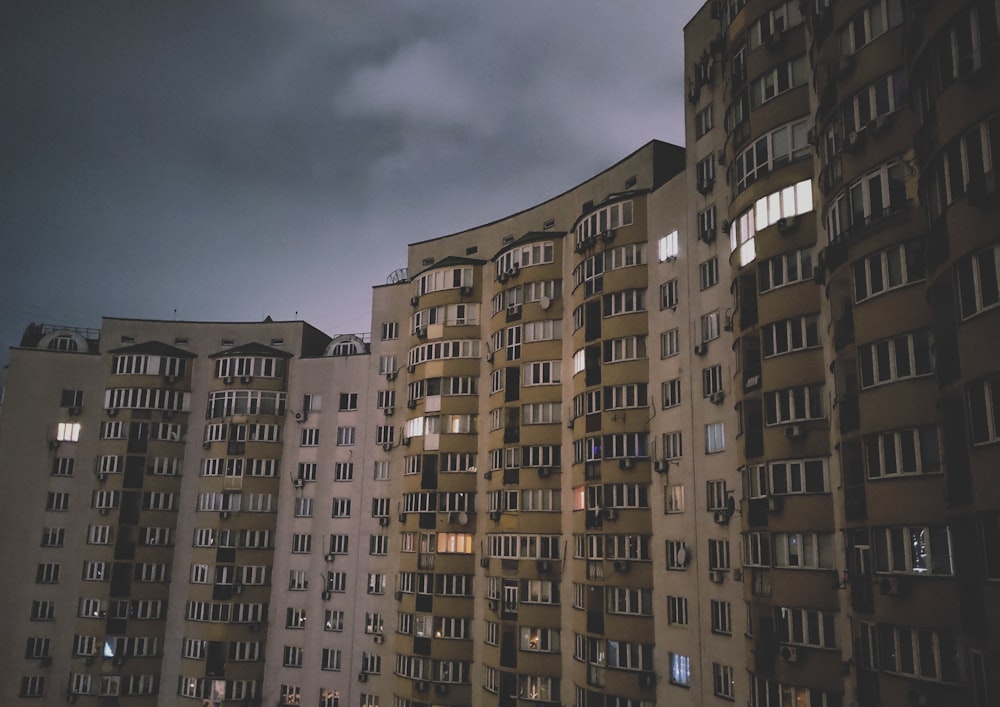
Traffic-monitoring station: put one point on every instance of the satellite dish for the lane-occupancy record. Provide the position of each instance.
(463, 518)
(545, 302)
(682, 556)
(730, 505)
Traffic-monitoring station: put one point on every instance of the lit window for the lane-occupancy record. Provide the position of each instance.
(68, 432)
(668, 247)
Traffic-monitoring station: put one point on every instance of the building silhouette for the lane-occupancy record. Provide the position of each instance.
(715, 425)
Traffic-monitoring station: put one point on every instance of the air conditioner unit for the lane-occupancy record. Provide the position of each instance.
(387, 447)
(647, 679)
(389, 411)
(484, 562)
(700, 349)
(610, 514)
(329, 557)
(420, 686)
(421, 332)
(775, 504)
(206, 444)
(492, 604)
(626, 463)
(494, 515)
(112, 412)
(608, 235)
(490, 356)
(889, 586)
(544, 472)
(513, 310)
(852, 141)
(411, 404)
(118, 660)
(298, 483)
(246, 380)
(622, 566)
(75, 411)
(716, 576)
(790, 654)
(168, 414)
(54, 444)
(466, 290)
(721, 517)
(544, 565)
(788, 224)
(727, 325)
(502, 277)
(104, 511)
(705, 186)
(488, 474)
(411, 368)
(326, 594)
(414, 301)
(228, 380)
(738, 575)
(661, 467)
(794, 431)
(390, 376)
(169, 380)
(773, 39)
(399, 596)
(717, 398)
(383, 521)
(406, 441)
(378, 638)
(441, 689)
(224, 515)
(402, 517)
(362, 677)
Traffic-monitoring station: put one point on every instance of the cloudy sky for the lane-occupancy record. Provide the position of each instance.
(236, 159)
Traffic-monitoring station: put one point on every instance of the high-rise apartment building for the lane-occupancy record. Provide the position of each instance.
(716, 425)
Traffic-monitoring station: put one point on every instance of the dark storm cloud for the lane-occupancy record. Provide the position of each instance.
(235, 159)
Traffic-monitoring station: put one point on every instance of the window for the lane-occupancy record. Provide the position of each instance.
(668, 246)
(803, 550)
(670, 343)
(345, 436)
(343, 471)
(708, 272)
(333, 620)
(776, 81)
(624, 302)
(668, 294)
(977, 281)
(786, 269)
(797, 476)
(793, 404)
(385, 434)
(53, 537)
(718, 554)
(292, 657)
(722, 616)
(680, 669)
(628, 348)
(339, 544)
(723, 683)
(886, 95)
(790, 335)
(676, 555)
(672, 445)
(920, 550)
(900, 452)
(703, 121)
(387, 366)
(330, 659)
(706, 225)
(872, 22)
(705, 174)
(381, 471)
(63, 466)
(898, 358)
(868, 200)
(984, 407)
(715, 437)
(43, 610)
(921, 653)
(309, 437)
(378, 544)
(717, 494)
(777, 148)
(541, 373)
(348, 401)
(806, 627)
(390, 330)
(677, 611)
(47, 573)
(710, 326)
(68, 432)
(674, 498)
(711, 380)
(671, 391)
(303, 507)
